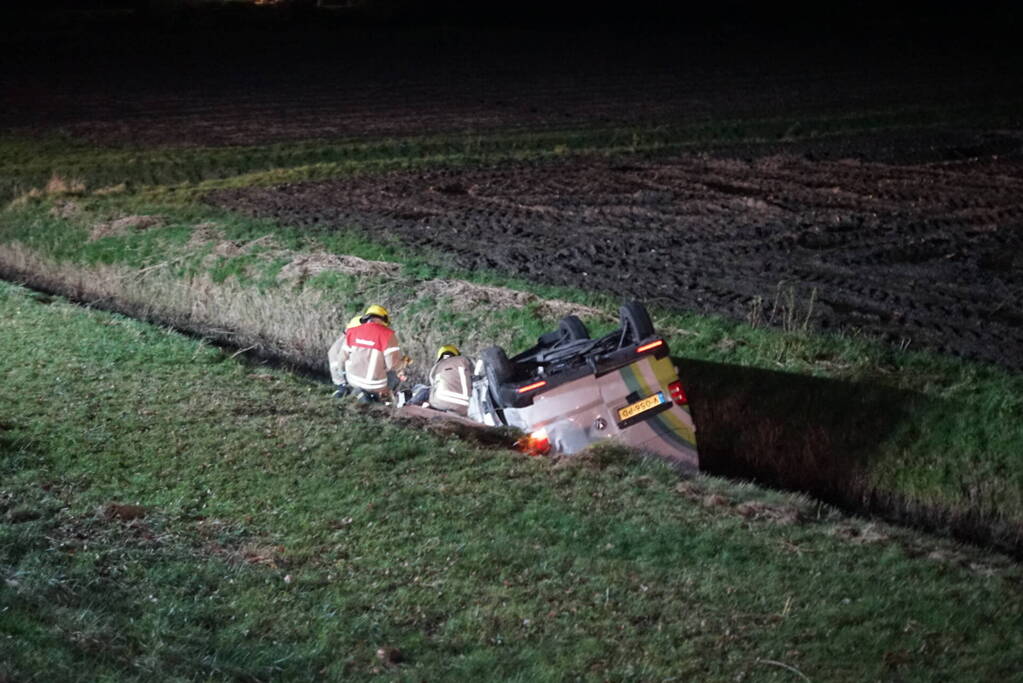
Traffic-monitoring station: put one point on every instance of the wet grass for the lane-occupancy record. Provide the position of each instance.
(171, 512)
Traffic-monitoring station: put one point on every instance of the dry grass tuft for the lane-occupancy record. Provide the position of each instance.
(262, 554)
(779, 514)
(862, 535)
(465, 297)
(752, 510)
(203, 233)
(26, 198)
(56, 186)
(229, 248)
(305, 266)
(789, 309)
(689, 489)
(468, 296)
(65, 209)
(120, 188)
(297, 327)
(123, 226)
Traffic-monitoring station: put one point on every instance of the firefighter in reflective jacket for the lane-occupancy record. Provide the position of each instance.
(366, 356)
(450, 382)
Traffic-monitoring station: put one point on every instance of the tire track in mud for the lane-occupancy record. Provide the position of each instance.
(925, 256)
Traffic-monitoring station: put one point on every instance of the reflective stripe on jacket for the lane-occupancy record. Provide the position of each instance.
(363, 355)
(451, 384)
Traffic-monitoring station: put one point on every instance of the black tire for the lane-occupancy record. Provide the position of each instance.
(498, 370)
(636, 322)
(572, 328)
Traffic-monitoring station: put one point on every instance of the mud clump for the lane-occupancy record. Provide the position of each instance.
(122, 512)
(22, 513)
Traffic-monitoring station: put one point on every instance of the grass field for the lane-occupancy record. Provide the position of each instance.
(172, 512)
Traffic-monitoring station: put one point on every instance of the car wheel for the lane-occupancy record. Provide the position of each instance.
(572, 328)
(636, 321)
(498, 370)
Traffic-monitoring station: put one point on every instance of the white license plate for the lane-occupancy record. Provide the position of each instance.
(640, 407)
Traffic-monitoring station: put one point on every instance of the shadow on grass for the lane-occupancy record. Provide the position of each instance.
(821, 437)
(789, 430)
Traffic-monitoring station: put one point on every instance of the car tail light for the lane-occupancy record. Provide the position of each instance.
(678, 394)
(530, 387)
(650, 345)
(536, 443)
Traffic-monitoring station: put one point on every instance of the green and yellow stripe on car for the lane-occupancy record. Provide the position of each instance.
(669, 425)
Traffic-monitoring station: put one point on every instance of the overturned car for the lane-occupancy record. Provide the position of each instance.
(569, 391)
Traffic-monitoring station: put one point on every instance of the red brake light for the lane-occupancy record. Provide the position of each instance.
(530, 387)
(678, 394)
(536, 443)
(650, 345)
(539, 444)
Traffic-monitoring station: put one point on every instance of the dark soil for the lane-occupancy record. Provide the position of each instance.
(927, 256)
(244, 87)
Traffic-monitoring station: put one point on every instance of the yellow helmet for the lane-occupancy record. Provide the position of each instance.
(354, 322)
(378, 311)
(450, 350)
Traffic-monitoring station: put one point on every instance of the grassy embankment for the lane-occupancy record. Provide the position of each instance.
(170, 511)
(913, 436)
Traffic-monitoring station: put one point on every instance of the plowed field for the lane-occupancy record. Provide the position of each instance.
(925, 256)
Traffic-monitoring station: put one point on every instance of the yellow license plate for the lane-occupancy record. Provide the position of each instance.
(634, 409)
